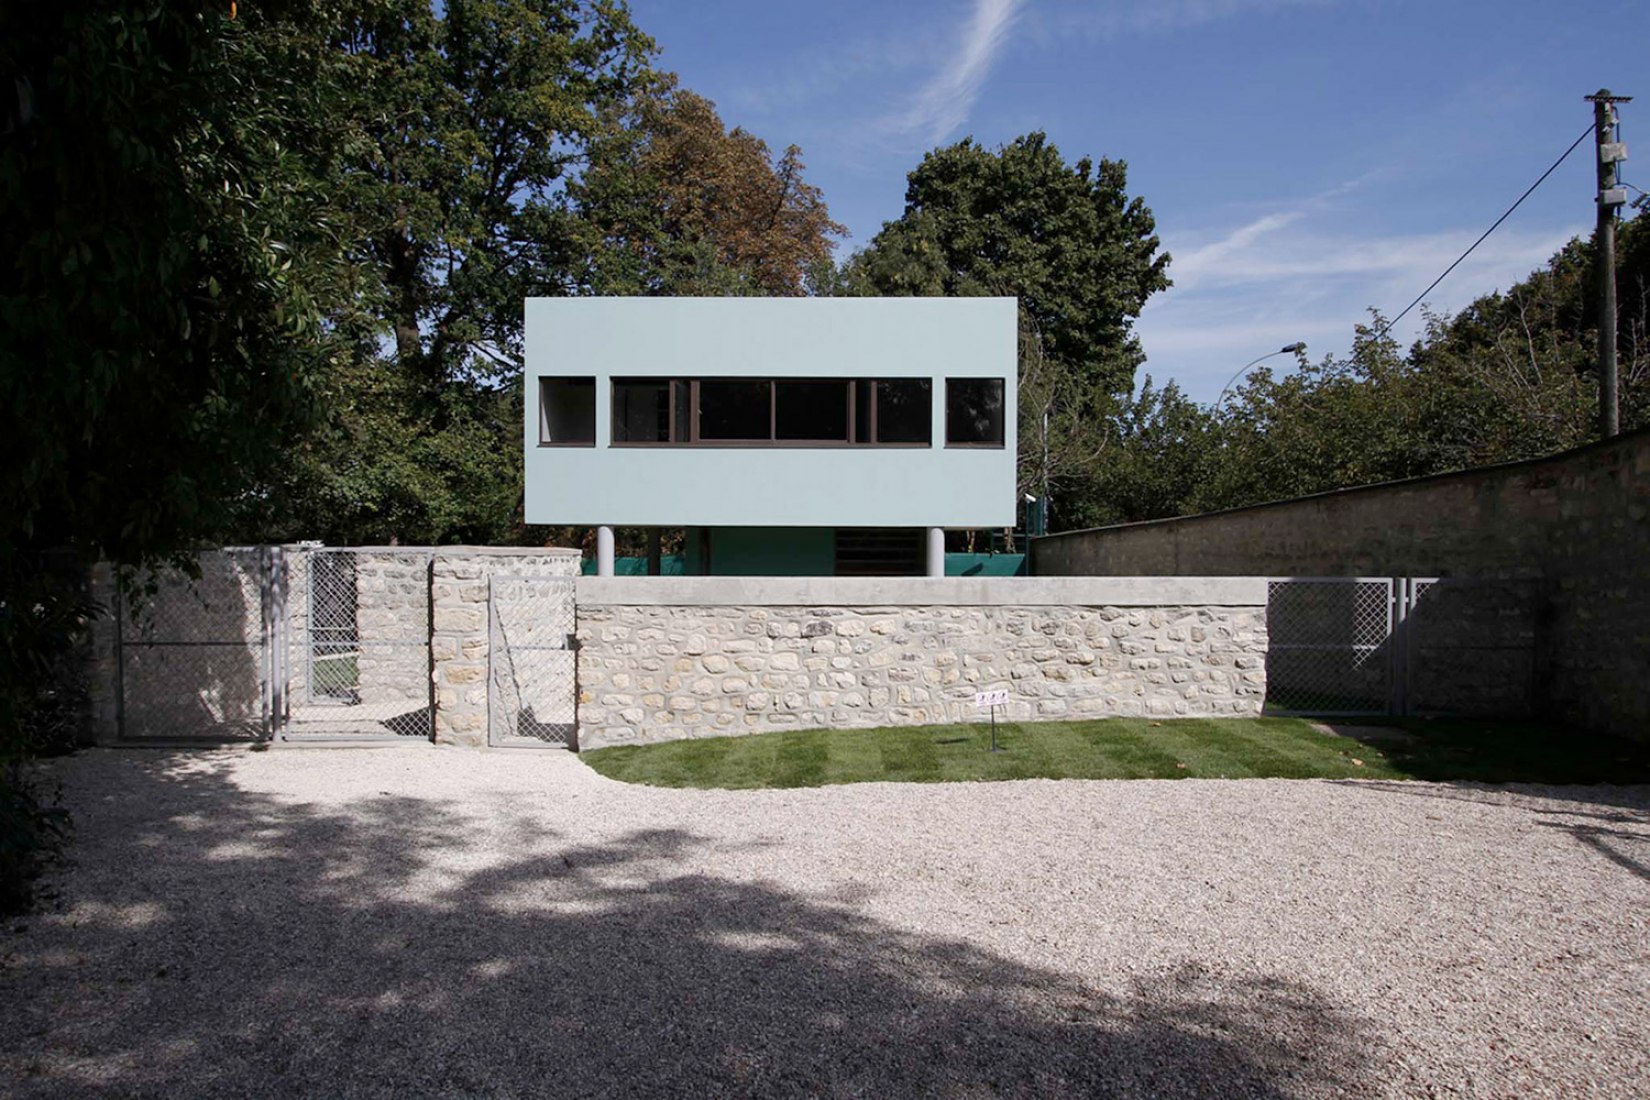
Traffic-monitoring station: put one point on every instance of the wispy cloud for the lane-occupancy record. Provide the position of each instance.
(1116, 18)
(1220, 256)
(944, 102)
(1309, 271)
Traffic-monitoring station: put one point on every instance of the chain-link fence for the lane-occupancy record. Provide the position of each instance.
(194, 654)
(358, 661)
(1349, 646)
(1327, 645)
(532, 685)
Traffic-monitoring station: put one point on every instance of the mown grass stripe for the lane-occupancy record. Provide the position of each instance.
(1131, 748)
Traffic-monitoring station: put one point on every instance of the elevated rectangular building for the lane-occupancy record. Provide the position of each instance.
(792, 436)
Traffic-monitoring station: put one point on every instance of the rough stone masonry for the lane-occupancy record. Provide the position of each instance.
(661, 671)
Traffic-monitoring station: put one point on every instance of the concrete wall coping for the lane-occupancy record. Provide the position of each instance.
(922, 591)
(511, 551)
(498, 551)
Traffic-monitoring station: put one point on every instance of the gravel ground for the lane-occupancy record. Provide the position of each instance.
(426, 921)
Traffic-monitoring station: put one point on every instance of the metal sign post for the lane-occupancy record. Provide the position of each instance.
(992, 700)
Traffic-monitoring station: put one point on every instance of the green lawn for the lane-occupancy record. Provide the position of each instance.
(335, 673)
(1133, 748)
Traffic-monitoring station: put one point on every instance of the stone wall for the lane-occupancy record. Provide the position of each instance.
(409, 652)
(1576, 523)
(460, 639)
(667, 658)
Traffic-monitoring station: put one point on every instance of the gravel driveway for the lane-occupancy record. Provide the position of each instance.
(428, 921)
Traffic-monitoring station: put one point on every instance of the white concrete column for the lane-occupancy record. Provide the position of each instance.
(936, 551)
(604, 551)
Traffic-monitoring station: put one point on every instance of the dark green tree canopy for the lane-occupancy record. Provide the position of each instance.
(169, 257)
(1065, 238)
(469, 120)
(1511, 376)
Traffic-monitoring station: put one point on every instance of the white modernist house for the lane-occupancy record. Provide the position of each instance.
(789, 436)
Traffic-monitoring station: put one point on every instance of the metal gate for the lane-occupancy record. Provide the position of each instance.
(1359, 646)
(195, 656)
(532, 675)
(358, 665)
(1327, 645)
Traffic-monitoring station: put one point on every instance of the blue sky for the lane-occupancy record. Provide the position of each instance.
(1305, 159)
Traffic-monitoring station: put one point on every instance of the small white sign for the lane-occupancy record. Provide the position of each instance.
(984, 699)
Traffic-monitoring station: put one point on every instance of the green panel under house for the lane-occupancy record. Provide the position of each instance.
(670, 565)
(985, 565)
(760, 551)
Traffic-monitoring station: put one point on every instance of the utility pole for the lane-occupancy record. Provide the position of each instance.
(1611, 198)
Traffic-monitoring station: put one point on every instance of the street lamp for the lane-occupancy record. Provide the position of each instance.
(1287, 349)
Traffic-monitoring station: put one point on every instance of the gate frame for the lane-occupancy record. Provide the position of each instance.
(283, 722)
(1403, 594)
(269, 573)
(570, 645)
(1394, 617)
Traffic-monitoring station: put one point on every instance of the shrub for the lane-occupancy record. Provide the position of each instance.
(33, 829)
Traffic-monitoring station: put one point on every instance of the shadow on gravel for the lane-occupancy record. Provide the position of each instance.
(1624, 807)
(224, 942)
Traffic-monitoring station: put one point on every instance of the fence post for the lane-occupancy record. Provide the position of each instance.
(120, 658)
(1398, 647)
(275, 638)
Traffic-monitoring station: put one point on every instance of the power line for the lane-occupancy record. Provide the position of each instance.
(1554, 167)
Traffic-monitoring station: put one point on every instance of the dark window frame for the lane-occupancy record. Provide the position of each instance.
(613, 417)
(874, 438)
(674, 385)
(1001, 442)
(544, 412)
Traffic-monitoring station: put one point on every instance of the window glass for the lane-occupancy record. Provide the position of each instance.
(567, 411)
(735, 410)
(974, 411)
(641, 410)
(814, 410)
(905, 410)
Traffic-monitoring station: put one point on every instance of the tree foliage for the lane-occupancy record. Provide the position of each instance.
(675, 203)
(469, 121)
(168, 255)
(1065, 239)
(164, 236)
(502, 149)
(1511, 376)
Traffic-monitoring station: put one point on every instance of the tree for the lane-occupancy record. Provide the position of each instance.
(464, 123)
(471, 120)
(1081, 256)
(169, 261)
(675, 203)
(1511, 376)
(1160, 454)
(395, 460)
(166, 242)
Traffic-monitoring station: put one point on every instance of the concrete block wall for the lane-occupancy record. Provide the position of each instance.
(459, 637)
(667, 658)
